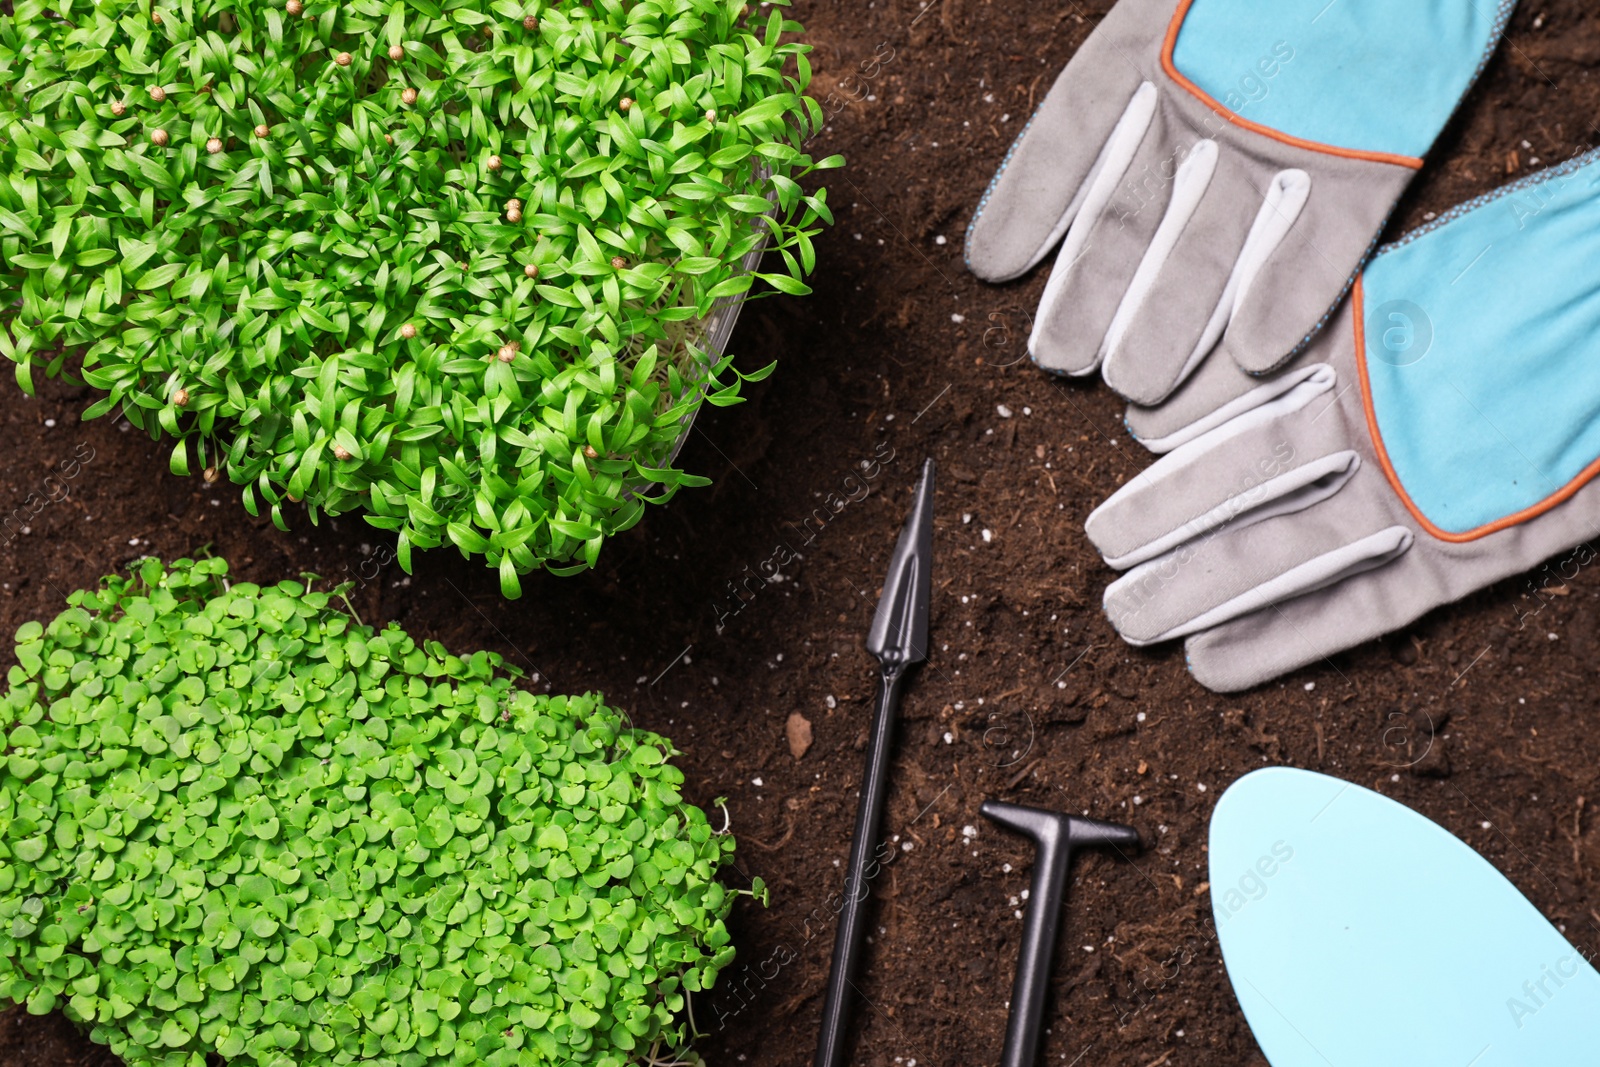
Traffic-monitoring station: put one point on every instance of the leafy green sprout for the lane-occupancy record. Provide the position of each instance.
(448, 265)
(234, 820)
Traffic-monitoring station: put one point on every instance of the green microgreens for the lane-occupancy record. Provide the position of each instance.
(235, 820)
(448, 264)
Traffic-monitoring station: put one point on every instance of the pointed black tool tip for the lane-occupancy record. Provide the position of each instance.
(918, 526)
(899, 634)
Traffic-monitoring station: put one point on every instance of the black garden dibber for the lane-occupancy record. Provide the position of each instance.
(899, 638)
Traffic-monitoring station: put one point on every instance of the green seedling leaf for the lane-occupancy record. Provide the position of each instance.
(311, 842)
(329, 281)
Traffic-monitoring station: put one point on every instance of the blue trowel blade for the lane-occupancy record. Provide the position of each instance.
(1357, 933)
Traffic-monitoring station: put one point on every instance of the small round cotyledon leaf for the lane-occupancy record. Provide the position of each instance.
(414, 261)
(236, 821)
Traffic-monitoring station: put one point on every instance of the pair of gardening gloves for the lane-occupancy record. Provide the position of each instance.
(1350, 439)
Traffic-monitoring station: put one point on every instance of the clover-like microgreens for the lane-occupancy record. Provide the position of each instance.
(319, 223)
(235, 820)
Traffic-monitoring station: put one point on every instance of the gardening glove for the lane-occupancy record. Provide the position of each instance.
(1217, 171)
(1441, 437)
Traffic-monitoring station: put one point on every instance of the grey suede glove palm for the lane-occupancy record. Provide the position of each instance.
(1440, 436)
(1215, 172)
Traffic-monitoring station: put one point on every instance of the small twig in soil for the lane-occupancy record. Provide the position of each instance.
(784, 840)
(1020, 775)
(1033, 87)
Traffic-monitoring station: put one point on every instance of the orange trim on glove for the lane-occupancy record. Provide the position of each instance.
(1560, 496)
(1171, 68)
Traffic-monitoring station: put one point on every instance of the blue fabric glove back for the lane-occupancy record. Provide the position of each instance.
(1338, 74)
(1487, 398)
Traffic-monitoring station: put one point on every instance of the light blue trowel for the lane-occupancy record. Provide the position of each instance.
(1359, 934)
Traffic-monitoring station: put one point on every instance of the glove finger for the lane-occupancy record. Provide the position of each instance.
(1218, 392)
(1186, 290)
(1238, 573)
(1125, 208)
(1040, 186)
(1052, 171)
(1281, 458)
(1267, 644)
(1307, 275)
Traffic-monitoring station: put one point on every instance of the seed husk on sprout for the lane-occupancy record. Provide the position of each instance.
(408, 331)
(388, 138)
(408, 97)
(495, 163)
(159, 138)
(343, 59)
(397, 52)
(530, 23)
(589, 451)
(507, 353)
(181, 397)
(626, 103)
(118, 108)
(263, 130)
(619, 263)
(294, 7)
(340, 452)
(155, 17)
(711, 114)
(214, 145)
(531, 270)
(211, 474)
(513, 214)
(158, 94)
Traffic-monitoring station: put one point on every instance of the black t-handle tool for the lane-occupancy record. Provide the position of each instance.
(899, 638)
(1057, 836)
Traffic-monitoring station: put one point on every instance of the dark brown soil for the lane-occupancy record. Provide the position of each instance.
(1478, 716)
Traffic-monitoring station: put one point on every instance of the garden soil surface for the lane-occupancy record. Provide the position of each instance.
(1479, 716)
